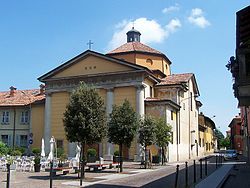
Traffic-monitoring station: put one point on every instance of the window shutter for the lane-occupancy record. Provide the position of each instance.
(18, 140)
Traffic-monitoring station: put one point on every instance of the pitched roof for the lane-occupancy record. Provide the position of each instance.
(20, 97)
(175, 79)
(134, 46)
(154, 100)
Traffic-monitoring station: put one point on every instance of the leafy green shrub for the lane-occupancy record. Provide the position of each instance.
(36, 151)
(15, 152)
(91, 152)
(4, 149)
(61, 155)
(21, 149)
(116, 153)
(37, 160)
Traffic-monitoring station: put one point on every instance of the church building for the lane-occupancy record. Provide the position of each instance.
(138, 73)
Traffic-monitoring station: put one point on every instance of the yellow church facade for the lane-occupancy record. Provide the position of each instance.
(133, 71)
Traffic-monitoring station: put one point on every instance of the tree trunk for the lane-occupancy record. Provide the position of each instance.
(146, 159)
(120, 157)
(162, 156)
(82, 163)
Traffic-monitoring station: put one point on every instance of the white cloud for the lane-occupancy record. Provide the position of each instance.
(171, 9)
(173, 25)
(151, 31)
(197, 18)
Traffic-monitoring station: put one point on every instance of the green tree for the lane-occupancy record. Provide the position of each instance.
(163, 136)
(219, 137)
(225, 142)
(84, 119)
(122, 127)
(147, 134)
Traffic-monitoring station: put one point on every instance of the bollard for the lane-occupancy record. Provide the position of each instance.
(51, 174)
(219, 159)
(8, 176)
(216, 158)
(194, 172)
(186, 175)
(176, 176)
(201, 168)
(205, 166)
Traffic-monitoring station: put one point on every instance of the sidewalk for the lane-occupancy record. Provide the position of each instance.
(232, 174)
(239, 176)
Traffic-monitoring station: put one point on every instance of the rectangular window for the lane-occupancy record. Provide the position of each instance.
(5, 117)
(172, 115)
(200, 142)
(151, 91)
(25, 117)
(23, 140)
(5, 139)
(59, 143)
(191, 101)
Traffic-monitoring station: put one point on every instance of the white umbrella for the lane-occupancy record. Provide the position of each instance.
(78, 152)
(42, 149)
(51, 153)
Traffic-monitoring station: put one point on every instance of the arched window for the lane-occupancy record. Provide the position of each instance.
(149, 61)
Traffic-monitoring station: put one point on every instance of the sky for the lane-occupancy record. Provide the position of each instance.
(198, 36)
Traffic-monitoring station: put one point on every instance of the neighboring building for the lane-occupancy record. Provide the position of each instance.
(240, 69)
(236, 138)
(135, 72)
(22, 117)
(240, 66)
(245, 126)
(207, 140)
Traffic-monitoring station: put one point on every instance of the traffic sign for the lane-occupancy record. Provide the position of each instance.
(30, 141)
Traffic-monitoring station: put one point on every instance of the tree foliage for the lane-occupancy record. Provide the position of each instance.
(219, 136)
(147, 129)
(147, 134)
(84, 119)
(163, 136)
(3, 149)
(122, 126)
(225, 142)
(163, 132)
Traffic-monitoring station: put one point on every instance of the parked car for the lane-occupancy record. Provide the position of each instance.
(230, 154)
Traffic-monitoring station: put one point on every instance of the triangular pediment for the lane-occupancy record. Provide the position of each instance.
(90, 63)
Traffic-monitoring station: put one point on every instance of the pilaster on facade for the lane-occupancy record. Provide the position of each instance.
(109, 107)
(47, 123)
(140, 106)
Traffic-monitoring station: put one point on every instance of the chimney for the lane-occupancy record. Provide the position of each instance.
(42, 89)
(12, 91)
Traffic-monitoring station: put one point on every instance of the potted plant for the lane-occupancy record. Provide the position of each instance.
(91, 155)
(62, 157)
(37, 164)
(116, 157)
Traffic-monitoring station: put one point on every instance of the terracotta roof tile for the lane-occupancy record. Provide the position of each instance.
(175, 79)
(21, 97)
(134, 46)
